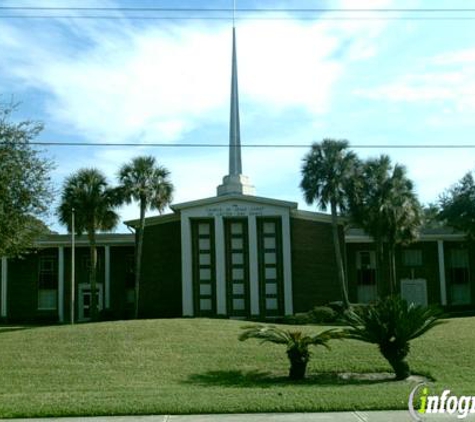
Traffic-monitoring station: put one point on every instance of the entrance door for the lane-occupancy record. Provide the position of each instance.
(85, 300)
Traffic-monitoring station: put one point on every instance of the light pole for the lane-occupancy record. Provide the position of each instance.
(73, 262)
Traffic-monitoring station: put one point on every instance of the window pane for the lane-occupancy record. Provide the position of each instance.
(205, 304)
(271, 304)
(269, 227)
(237, 258)
(205, 289)
(270, 258)
(238, 289)
(412, 258)
(269, 243)
(236, 228)
(236, 244)
(238, 304)
(204, 244)
(205, 274)
(271, 273)
(205, 259)
(238, 274)
(204, 228)
(47, 299)
(459, 258)
(271, 289)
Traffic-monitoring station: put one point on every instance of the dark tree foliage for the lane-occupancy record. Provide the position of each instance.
(457, 206)
(25, 184)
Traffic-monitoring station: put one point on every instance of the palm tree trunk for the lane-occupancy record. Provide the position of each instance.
(339, 258)
(380, 268)
(392, 268)
(138, 257)
(93, 274)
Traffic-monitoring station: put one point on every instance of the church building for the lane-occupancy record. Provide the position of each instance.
(236, 254)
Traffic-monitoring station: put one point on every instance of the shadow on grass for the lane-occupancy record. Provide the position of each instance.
(267, 379)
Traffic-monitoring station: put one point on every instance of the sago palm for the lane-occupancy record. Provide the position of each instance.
(327, 170)
(392, 323)
(89, 195)
(144, 181)
(297, 344)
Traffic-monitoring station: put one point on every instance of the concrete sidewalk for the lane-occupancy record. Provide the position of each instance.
(357, 416)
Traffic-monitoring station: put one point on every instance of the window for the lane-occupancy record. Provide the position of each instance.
(366, 268)
(412, 258)
(270, 266)
(458, 265)
(459, 277)
(237, 266)
(48, 283)
(204, 267)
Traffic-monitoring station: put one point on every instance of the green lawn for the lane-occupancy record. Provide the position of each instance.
(199, 366)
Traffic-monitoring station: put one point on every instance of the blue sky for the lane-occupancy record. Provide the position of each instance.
(373, 81)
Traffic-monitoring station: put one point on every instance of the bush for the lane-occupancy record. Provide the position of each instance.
(391, 323)
(321, 314)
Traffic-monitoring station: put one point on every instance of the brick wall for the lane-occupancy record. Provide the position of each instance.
(314, 276)
(161, 292)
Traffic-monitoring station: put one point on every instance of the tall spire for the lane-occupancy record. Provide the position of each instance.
(235, 182)
(235, 165)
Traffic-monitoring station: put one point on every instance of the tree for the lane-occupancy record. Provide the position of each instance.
(392, 323)
(457, 206)
(25, 185)
(297, 344)
(93, 201)
(326, 172)
(143, 181)
(383, 203)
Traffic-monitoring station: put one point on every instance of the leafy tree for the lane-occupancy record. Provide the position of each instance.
(392, 323)
(25, 184)
(457, 206)
(383, 203)
(93, 201)
(326, 173)
(143, 181)
(297, 344)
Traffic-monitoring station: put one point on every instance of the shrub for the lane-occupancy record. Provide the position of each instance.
(392, 323)
(321, 314)
(297, 344)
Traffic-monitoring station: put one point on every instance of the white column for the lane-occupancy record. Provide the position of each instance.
(220, 245)
(443, 284)
(4, 283)
(186, 266)
(107, 276)
(61, 283)
(287, 266)
(253, 266)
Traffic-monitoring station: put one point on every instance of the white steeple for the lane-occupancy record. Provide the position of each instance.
(235, 182)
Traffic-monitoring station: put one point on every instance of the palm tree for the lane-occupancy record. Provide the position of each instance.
(392, 323)
(327, 170)
(89, 195)
(297, 344)
(143, 181)
(384, 204)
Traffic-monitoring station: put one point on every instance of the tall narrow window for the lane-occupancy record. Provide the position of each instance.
(237, 267)
(204, 270)
(459, 277)
(366, 276)
(48, 283)
(270, 266)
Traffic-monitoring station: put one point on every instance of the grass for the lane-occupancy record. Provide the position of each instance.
(198, 366)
